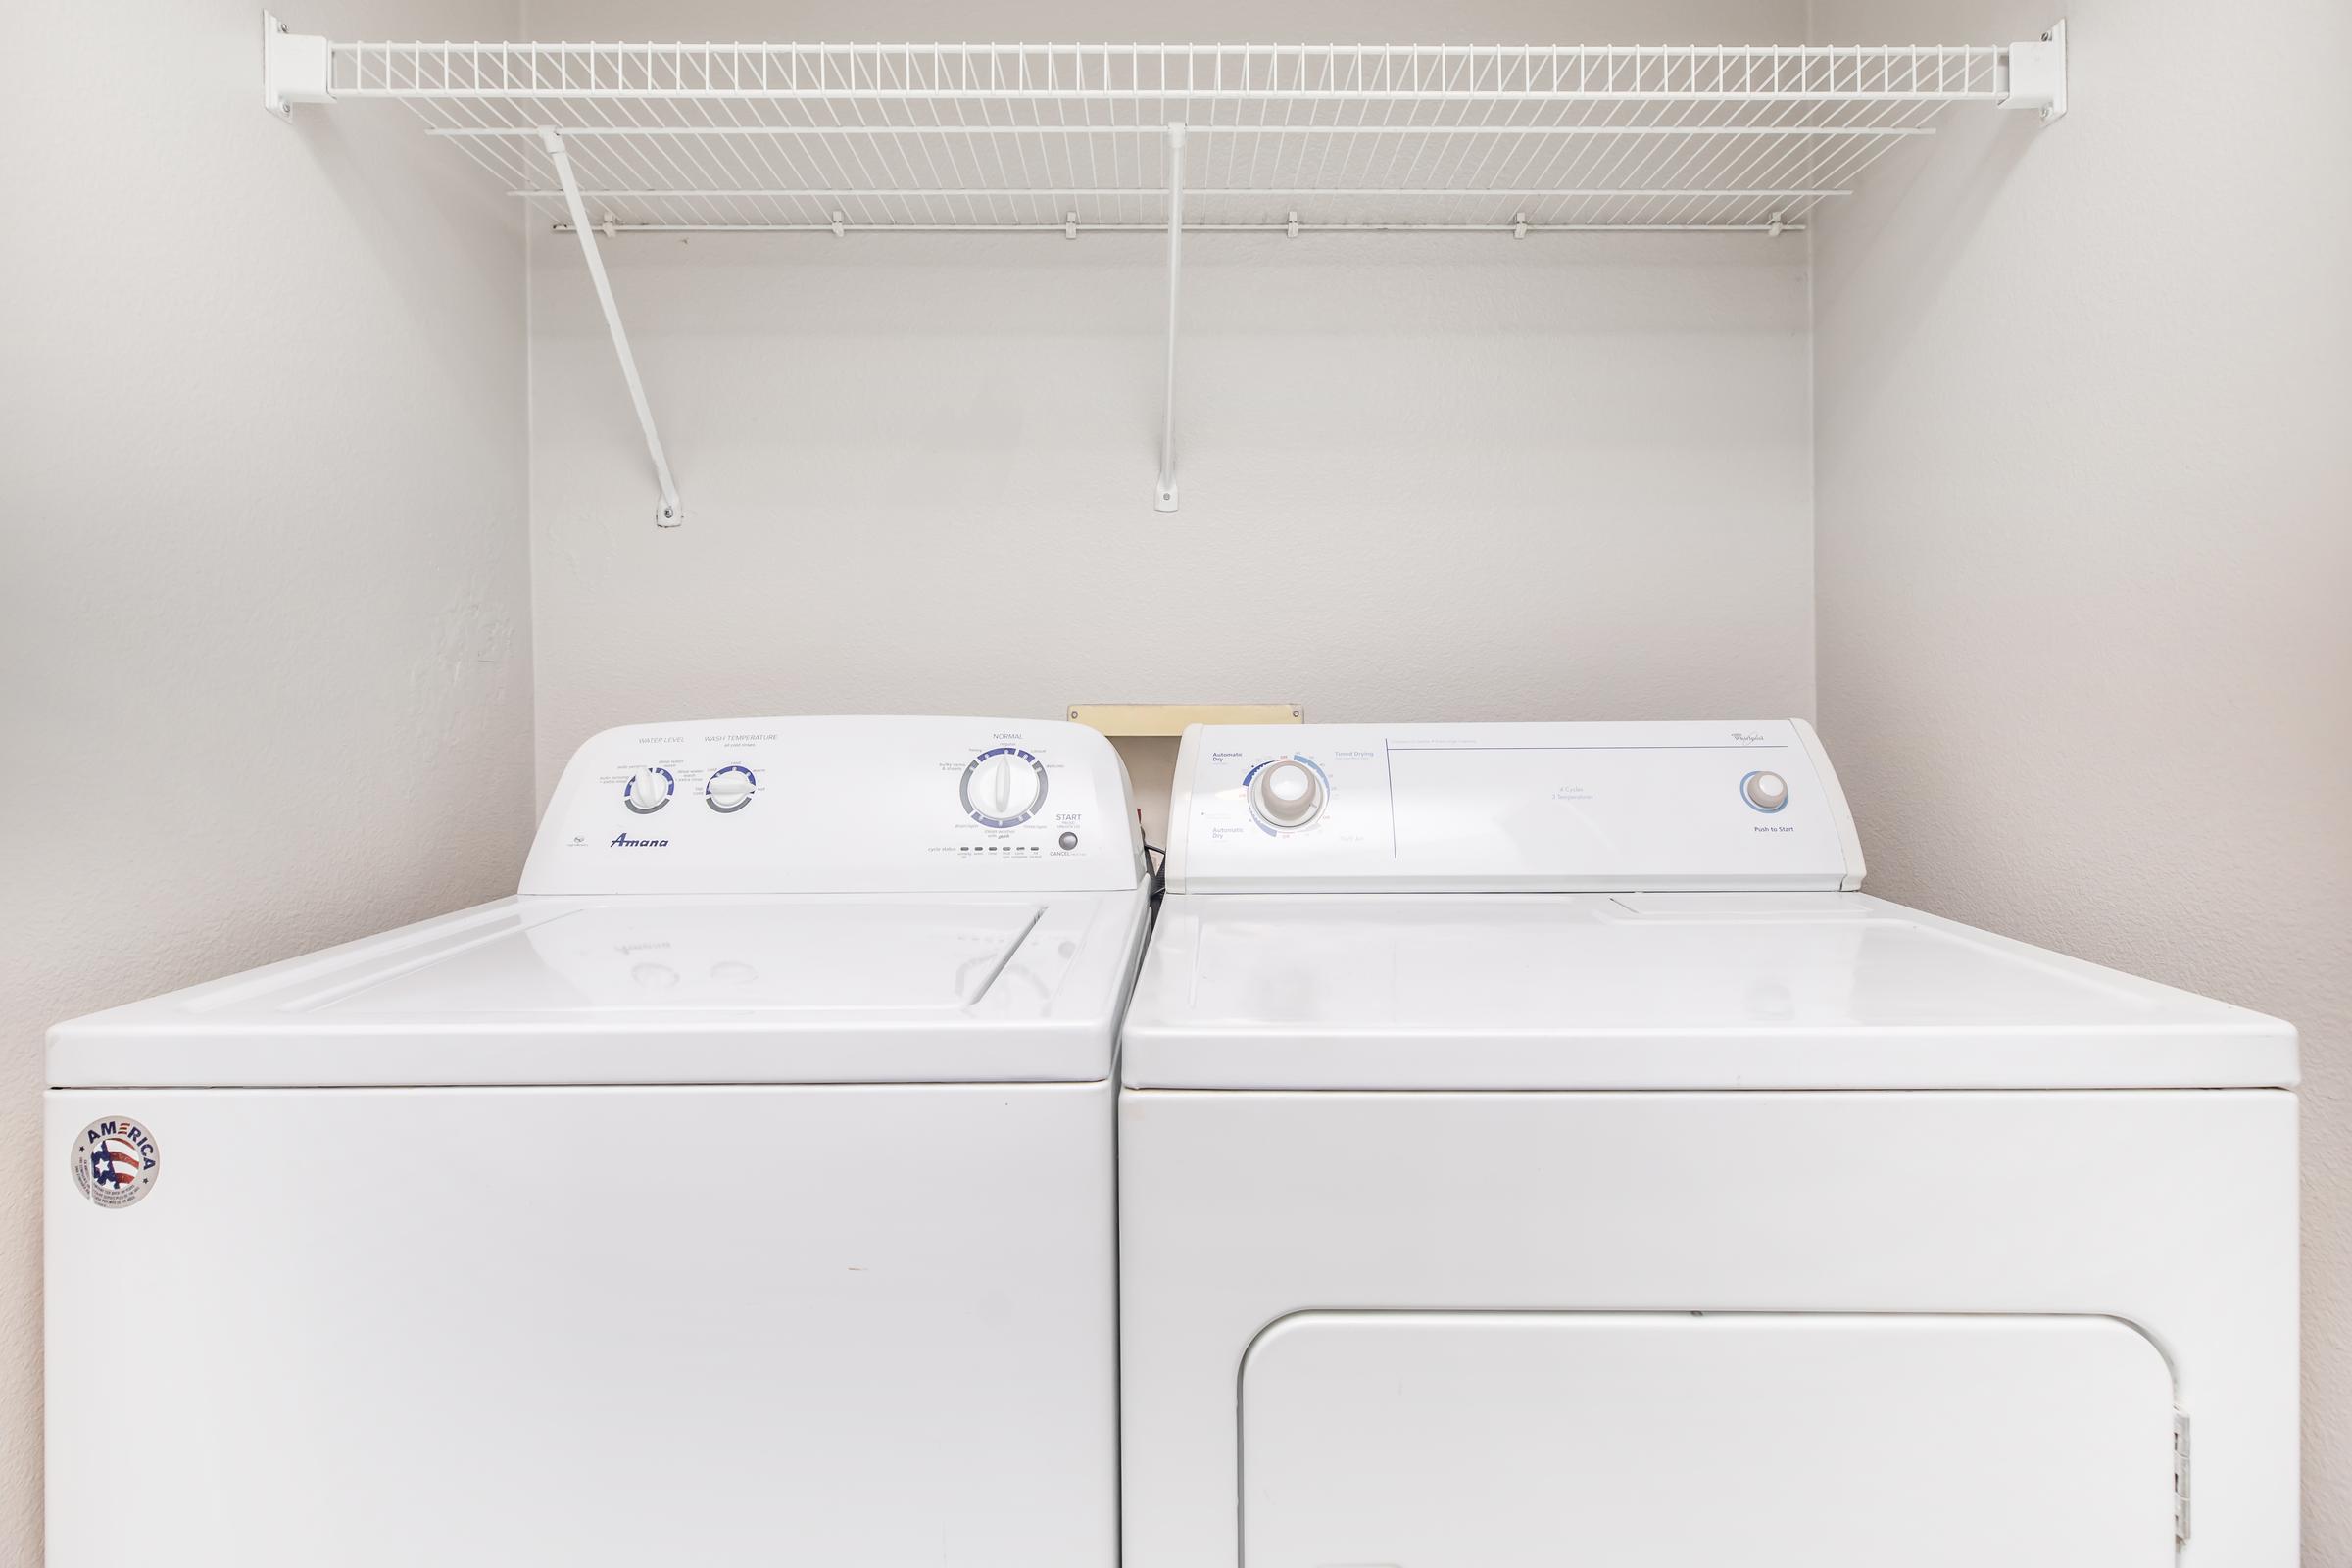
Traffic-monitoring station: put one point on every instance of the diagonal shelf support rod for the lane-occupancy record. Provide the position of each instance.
(1166, 499)
(551, 140)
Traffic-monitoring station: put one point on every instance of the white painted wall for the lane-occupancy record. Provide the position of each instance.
(264, 619)
(1422, 475)
(2084, 539)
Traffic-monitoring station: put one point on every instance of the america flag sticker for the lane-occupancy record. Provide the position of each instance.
(113, 1161)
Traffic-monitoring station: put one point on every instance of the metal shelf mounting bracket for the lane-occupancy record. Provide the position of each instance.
(2037, 74)
(671, 512)
(294, 69)
(1166, 500)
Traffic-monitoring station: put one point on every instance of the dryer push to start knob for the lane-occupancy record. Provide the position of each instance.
(1286, 793)
(1766, 792)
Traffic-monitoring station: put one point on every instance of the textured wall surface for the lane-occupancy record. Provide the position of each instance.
(263, 616)
(2083, 481)
(1422, 475)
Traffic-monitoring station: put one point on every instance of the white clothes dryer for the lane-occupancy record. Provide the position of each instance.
(1534, 1149)
(740, 1191)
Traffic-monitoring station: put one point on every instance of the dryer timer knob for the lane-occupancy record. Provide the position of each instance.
(1286, 793)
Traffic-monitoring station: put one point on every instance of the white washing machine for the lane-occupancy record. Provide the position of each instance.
(741, 1192)
(1534, 1150)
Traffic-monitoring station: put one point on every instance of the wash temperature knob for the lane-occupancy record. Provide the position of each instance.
(729, 788)
(1286, 793)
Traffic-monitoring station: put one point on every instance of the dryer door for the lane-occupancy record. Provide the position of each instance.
(1514, 1440)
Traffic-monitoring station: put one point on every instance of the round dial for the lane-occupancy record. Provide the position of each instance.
(1003, 787)
(730, 789)
(649, 790)
(1766, 792)
(1286, 793)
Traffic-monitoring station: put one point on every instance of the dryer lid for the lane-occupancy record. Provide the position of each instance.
(809, 989)
(1653, 992)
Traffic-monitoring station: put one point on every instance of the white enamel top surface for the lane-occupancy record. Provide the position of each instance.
(879, 988)
(724, 900)
(1492, 806)
(838, 805)
(1652, 990)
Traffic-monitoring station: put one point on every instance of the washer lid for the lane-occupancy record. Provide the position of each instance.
(1653, 991)
(786, 989)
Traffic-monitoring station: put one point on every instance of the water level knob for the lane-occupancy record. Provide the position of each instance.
(649, 790)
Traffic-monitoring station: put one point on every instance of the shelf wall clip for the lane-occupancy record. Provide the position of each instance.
(551, 140)
(2037, 74)
(1069, 227)
(295, 68)
(1166, 500)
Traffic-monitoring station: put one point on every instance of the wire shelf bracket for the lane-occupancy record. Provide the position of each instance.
(2037, 74)
(670, 514)
(295, 68)
(609, 139)
(1165, 500)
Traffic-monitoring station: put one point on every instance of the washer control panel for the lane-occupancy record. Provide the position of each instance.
(1568, 806)
(840, 805)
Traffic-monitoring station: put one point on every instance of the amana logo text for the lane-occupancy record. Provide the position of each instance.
(622, 841)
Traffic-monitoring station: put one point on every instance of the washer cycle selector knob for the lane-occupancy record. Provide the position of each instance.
(648, 790)
(1766, 792)
(1286, 793)
(730, 789)
(1003, 787)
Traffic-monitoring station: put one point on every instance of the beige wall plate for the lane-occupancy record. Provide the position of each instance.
(1170, 718)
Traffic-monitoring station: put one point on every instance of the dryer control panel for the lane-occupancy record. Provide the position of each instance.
(840, 805)
(1478, 807)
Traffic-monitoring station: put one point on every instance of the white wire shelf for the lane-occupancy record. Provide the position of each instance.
(1063, 138)
(610, 139)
